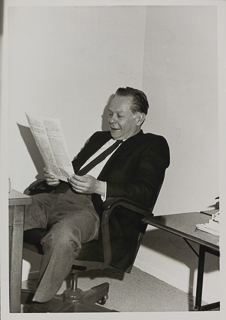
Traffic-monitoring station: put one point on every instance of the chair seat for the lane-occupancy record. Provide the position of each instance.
(32, 239)
(90, 251)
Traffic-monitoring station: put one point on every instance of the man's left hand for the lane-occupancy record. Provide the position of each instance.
(87, 184)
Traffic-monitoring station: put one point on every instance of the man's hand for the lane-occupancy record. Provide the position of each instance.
(51, 180)
(87, 184)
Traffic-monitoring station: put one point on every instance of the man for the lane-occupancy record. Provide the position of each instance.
(134, 170)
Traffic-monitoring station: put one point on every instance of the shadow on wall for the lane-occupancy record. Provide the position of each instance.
(105, 125)
(32, 149)
(176, 248)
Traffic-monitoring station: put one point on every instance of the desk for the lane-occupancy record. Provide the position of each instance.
(17, 203)
(183, 225)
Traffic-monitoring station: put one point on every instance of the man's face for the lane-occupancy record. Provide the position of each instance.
(122, 122)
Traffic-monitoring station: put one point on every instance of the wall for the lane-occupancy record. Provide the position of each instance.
(67, 61)
(68, 69)
(180, 74)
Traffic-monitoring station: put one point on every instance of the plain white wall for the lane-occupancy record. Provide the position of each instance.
(180, 77)
(67, 61)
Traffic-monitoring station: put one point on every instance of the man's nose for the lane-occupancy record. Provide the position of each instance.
(112, 119)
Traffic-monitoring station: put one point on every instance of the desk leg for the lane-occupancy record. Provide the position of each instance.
(200, 278)
(198, 302)
(15, 256)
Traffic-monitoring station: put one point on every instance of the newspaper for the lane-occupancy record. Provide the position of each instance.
(50, 141)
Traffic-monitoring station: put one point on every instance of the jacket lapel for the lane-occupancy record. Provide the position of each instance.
(124, 146)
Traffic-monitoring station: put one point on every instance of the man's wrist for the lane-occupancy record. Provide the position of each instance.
(101, 188)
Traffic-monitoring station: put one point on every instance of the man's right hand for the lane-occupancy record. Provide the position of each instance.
(51, 180)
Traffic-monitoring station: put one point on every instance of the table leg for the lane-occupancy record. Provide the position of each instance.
(15, 263)
(198, 306)
(200, 278)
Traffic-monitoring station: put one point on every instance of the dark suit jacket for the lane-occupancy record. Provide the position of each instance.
(135, 171)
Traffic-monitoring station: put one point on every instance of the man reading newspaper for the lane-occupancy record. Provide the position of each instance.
(134, 168)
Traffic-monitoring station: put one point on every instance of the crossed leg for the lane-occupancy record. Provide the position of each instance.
(72, 220)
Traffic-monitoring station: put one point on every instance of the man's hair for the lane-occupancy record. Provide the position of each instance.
(139, 102)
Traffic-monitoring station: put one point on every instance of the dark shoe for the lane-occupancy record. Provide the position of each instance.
(39, 307)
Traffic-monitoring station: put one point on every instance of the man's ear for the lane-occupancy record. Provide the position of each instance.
(140, 118)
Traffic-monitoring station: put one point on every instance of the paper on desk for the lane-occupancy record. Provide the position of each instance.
(50, 141)
(211, 227)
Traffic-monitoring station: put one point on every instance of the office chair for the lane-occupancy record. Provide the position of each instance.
(96, 254)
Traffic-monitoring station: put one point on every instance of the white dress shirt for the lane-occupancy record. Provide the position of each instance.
(95, 171)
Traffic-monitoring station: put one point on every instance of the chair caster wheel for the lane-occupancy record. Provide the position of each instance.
(103, 300)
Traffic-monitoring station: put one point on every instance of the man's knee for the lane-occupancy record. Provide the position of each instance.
(61, 238)
(36, 214)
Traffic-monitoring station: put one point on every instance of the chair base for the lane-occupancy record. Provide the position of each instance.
(75, 300)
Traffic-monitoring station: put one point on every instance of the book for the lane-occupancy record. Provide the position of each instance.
(51, 143)
(212, 227)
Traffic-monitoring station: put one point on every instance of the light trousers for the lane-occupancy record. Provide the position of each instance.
(72, 220)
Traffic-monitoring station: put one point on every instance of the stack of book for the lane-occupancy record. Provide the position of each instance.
(213, 226)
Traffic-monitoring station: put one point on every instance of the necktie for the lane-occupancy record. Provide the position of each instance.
(99, 158)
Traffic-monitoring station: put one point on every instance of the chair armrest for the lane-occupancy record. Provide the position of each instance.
(111, 203)
(39, 186)
(108, 207)
(36, 184)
